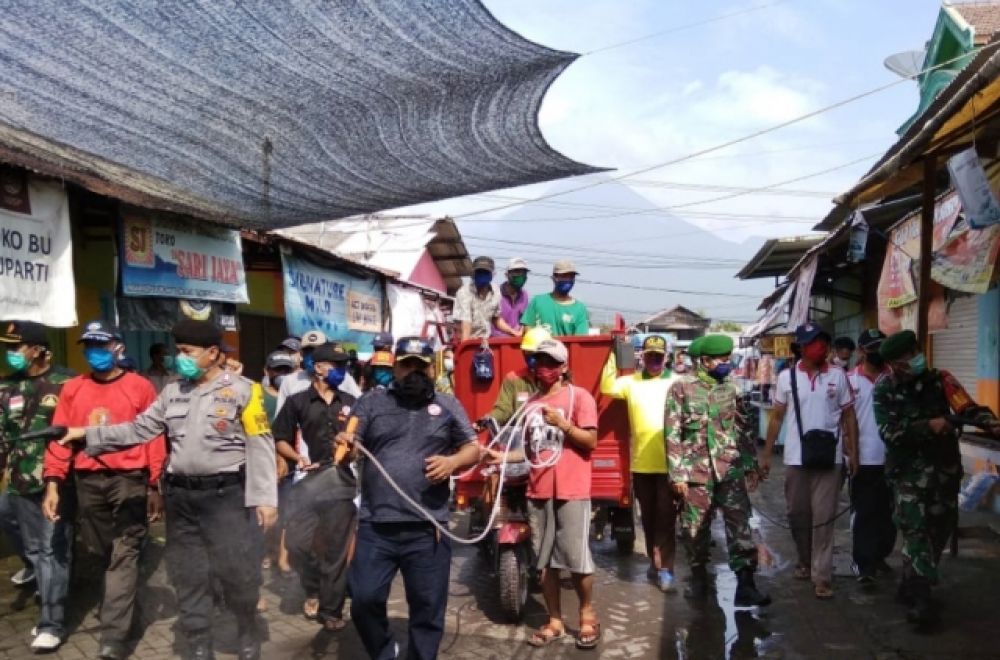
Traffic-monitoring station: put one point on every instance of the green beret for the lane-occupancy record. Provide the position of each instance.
(897, 345)
(694, 349)
(712, 345)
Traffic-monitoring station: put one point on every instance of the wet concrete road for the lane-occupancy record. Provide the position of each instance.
(638, 621)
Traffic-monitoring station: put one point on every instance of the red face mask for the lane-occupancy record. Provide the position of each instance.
(548, 376)
(816, 351)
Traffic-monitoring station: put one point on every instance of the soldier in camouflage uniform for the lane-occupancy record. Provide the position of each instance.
(922, 461)
(28, 398)
(711, 460)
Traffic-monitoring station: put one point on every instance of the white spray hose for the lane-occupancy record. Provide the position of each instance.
(429, 516)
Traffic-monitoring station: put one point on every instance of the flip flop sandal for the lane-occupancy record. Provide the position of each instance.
(823, 591)
(310, 608)
(545, 636)
(593, 638)
(801, 572)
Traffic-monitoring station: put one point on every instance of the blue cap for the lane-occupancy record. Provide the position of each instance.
(414, 347)
(101, 331)
(806, 332)
(382, 340)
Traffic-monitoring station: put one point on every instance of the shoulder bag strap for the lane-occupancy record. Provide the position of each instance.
(793, 374)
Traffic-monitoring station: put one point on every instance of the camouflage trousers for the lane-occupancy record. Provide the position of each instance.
(926, 515)
(702, 501)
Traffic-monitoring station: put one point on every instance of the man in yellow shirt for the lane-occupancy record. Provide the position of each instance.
(645, 392)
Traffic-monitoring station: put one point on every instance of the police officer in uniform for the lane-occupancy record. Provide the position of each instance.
(219, 474)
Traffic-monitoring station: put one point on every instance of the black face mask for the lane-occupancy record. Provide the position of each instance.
(415, 388)
(875, 359)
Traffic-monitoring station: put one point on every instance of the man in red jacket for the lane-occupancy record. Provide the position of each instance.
(117, 492)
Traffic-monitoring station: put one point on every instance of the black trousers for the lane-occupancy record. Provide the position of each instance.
(873, 531)
(210, 537)
(112, 523)
(318, 535)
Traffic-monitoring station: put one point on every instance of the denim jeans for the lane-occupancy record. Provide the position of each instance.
(9, 527)
(48, 547)
(425, 561)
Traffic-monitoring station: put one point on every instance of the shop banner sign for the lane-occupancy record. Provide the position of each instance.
(173, 258)
(36, 251)
(345, 308)
(967, 175)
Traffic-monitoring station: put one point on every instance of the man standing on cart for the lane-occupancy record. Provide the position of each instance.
(712, 463)
(645, 393)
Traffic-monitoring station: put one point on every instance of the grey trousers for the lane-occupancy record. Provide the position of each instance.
(811, 496)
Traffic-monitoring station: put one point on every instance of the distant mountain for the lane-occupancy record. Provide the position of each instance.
(659, 251)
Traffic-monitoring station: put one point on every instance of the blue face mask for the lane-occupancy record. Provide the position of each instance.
(308, 363)
(100, 359)
(482, 278)
(335, 376)
(17, 361)
(720, 371)
(564, 287)
(530, 360)
(188, 367)
(918, 364)
(382, 377)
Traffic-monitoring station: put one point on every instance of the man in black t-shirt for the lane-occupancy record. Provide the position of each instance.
(421, 438)
(319, 529)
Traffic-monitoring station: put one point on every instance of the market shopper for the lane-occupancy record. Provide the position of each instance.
(477, 305)
(873, 532)
(301, 380)
(843, 351)
(558, 312)
(519, 385)
(421, 438)
(28, 400)
(320, 526)
(513, 297)
(220, 474)
(445, 383)
(645, 394)
(161, 371)
(823, 431)
(712, 463)
(117, 492)
(378, 374)
(923, 462)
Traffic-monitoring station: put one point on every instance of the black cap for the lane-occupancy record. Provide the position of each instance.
(871, 339)
(99, 331)
(806, 332)
(197, 333)
(24, 332)
(329, 353)
(291, 343)
(414, 347)
(382, 340)
(280, 360)
(844, 342)
(483, 263)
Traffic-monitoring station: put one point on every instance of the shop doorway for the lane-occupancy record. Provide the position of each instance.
(259, 335)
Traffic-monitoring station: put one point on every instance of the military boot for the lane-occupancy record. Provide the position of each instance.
(922, 611)
(697, 586)
(747, 594)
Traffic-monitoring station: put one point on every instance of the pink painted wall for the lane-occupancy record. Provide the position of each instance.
(426, 274)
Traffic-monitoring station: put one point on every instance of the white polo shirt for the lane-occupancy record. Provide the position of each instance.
(871, 448)
(823, 398)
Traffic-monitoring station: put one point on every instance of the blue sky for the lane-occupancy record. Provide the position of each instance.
(675, 94)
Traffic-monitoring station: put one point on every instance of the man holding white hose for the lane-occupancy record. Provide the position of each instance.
(421, 438)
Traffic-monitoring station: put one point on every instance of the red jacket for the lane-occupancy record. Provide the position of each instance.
(88, 402)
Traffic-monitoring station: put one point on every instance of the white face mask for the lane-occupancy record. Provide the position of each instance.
(449, 364)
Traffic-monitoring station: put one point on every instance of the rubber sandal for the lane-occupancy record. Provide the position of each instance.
(823, 591)
(545, 636)
(310, 608)
(595, 635)
(801, 572)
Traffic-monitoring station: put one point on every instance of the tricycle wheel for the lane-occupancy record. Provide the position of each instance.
(623, 528)
(512, 575)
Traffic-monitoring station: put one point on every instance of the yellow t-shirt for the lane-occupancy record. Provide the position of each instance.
(646, 399)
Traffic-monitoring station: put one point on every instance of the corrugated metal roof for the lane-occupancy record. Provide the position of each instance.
(263, 115)
(776, 256)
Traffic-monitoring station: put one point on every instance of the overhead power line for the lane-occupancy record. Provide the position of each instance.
(619, 285)
(750, 136)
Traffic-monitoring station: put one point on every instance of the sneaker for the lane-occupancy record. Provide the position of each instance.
(45, 642)
(23, 577)
(666, 580)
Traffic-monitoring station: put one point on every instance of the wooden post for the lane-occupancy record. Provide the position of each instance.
(926, 241)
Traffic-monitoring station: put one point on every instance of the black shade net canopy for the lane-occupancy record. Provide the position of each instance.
(270, 114)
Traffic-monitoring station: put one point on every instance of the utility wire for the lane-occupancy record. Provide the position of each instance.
(619, 285)
(745, 138)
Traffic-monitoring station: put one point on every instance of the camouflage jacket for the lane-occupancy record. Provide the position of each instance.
(903, 410)
(708, 431)
(27, 404)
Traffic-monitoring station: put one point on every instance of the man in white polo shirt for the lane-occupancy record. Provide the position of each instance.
(825, 406)
(872, 531)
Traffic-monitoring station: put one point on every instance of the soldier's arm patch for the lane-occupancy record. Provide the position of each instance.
(254, 416)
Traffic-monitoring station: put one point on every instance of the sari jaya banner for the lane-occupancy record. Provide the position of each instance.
(36, 252)
(170, 257)
(964, 259)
